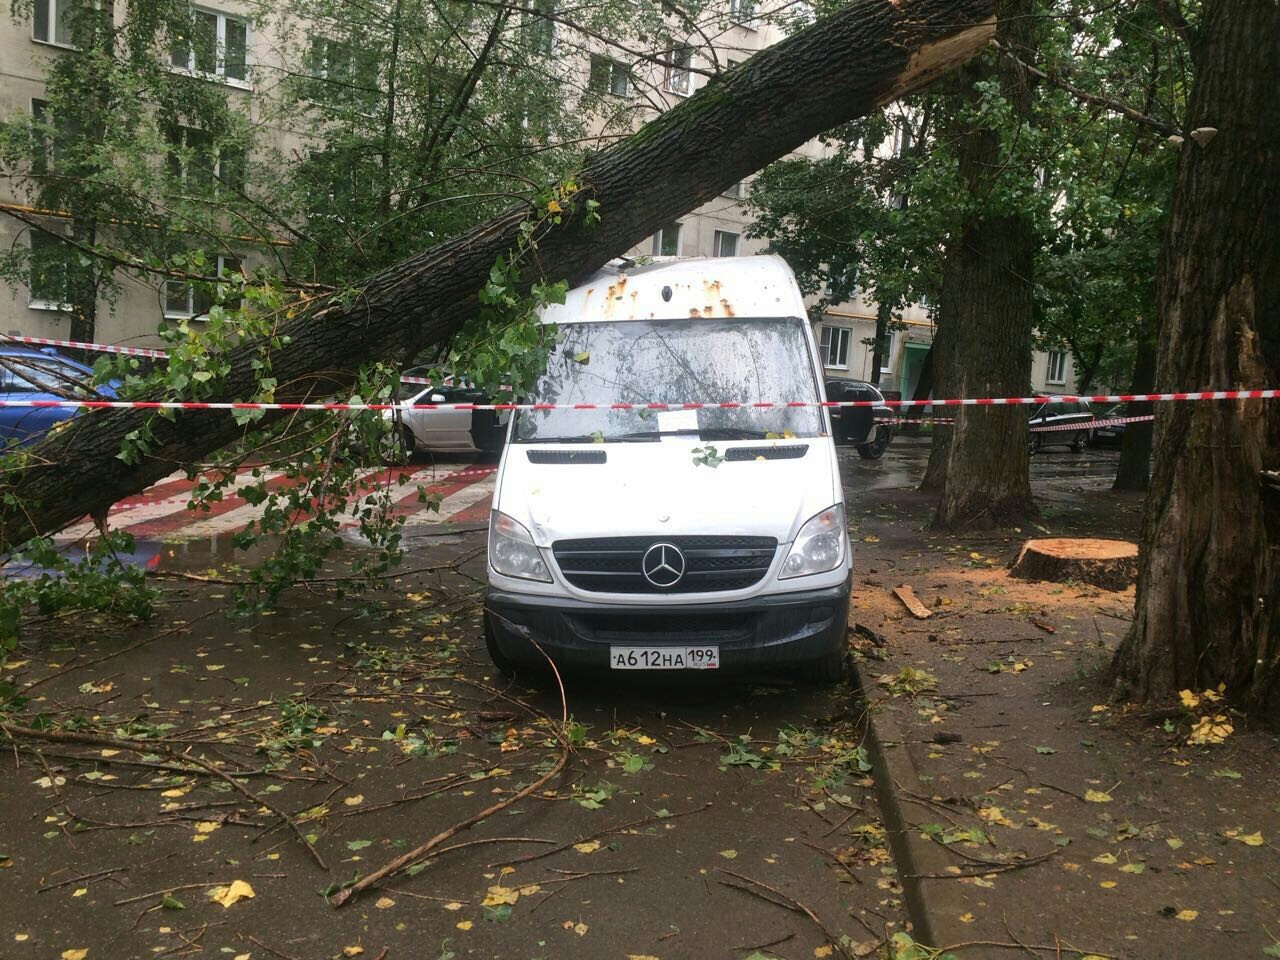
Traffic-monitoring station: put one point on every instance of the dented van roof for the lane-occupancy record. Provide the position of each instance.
(669, 289)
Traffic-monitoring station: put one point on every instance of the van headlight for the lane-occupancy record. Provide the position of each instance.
(818, 547)
(512, 552)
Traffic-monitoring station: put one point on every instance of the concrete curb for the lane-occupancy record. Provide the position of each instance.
(933, 906)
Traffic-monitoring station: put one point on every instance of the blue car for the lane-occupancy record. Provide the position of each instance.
(27, 374)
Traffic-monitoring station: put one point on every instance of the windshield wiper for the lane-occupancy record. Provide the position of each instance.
(578, 439)
(704, 433)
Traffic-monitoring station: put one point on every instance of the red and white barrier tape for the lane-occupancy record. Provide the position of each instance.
(725, 405)
(80, 345)
(1093, 424)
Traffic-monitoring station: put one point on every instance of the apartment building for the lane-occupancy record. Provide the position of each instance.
(250, 60)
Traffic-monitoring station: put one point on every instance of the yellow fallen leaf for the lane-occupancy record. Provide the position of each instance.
(580, 929)
(243, 956)
(994, 815)
(591, 846)
(823, 951)
(1105, 858)
(108, 753)
(529, 889)
(453, 906)
(1098, 708)
(1208, 730)
(214, 667)
(22, 937)
(464, 924)
(207, 826)
(75, 954)
(1248, 839)
(354, 801)
(499, 895)
(384, 903)
(645, 741)
(1097, 796)
(729, 854)
(643, 956)
(1107, 884)
(966, 918)
(80, 892)
(227, 896)
(1189, 699)
(1187, 915)
(353, 951)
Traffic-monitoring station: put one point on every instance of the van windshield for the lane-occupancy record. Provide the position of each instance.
(675, 361)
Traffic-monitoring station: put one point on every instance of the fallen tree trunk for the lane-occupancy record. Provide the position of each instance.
(841, 68)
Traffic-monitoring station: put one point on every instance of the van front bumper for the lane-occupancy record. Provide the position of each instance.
(770, 631)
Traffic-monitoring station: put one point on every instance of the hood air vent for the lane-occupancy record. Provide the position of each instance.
(567, 456)
(794, 452)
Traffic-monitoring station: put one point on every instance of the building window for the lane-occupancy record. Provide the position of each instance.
(1057, 367)
(51, 21)
(666, 242)
(49, 137)
(198, 164)
(734, 190)
(743, 13)
(609, 76)
(184, 300)
(725, 244)
(212, 44)
(678, 62)
(539, 28)
(835, 347)
(901, 138)
(54, 272)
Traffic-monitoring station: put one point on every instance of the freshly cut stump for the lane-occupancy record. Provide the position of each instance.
(1110, 564)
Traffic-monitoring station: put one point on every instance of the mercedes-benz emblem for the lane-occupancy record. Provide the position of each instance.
(663, 565)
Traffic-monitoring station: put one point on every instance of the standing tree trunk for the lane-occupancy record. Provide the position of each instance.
(987, 480)
(883, 313)
(943, 374)
(1209, 581)
(855, 60)
(1134, 471)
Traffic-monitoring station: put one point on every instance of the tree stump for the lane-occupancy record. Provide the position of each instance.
(1109, 564)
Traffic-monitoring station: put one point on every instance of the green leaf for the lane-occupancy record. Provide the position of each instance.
(500, 913)
(358, 844)
(1045, 750)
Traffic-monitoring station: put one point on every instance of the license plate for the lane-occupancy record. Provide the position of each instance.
(664, 658)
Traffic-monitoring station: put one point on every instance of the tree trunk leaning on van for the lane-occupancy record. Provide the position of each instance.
(986, 479)
(846, 64)
(1208, 601)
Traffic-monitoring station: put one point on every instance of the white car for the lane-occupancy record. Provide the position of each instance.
(442, 431)
(674, 539)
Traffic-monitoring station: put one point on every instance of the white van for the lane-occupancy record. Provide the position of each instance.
(682, 539)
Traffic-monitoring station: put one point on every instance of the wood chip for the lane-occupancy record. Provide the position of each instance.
(912, 602)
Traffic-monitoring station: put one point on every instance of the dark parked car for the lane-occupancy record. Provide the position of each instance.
(1059, 413)
(1112, 434)
(857, 425)
(27, 374)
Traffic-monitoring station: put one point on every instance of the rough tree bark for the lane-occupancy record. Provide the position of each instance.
(1134, 471)
(845, 65)
(941, 355)
(986, 478)
(1209, 579)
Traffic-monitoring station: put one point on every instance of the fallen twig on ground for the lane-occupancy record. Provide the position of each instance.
(788, 902)
(101, 873)
(600, 833)
(14, 731)
(420, 851)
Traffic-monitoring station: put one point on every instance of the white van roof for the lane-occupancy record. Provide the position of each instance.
(668, 289)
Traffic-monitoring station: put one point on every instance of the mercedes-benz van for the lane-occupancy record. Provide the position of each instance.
(627, 538)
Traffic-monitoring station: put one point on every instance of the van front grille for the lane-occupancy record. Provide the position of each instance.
(712, 563)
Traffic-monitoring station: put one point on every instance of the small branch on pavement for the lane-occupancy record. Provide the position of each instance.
(14, 731)
(600, 833)
(420, 851)
(784, 900)
(101, 873)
